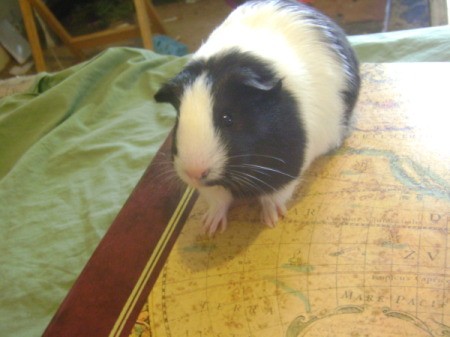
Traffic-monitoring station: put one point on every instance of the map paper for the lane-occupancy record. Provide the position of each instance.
(363, 250)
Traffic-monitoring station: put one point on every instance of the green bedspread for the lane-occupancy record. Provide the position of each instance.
(71, 151)
(416, 45)
(73, 148)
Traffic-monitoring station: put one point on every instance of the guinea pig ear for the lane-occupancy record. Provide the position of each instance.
(172, 91)
(264, 82)
(169, 93)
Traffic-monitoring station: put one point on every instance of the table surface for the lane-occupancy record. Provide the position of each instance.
(363, 250)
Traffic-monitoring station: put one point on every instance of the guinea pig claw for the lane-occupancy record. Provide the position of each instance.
(271, 212)
(213, 220)
(270, 218)
(282, 210)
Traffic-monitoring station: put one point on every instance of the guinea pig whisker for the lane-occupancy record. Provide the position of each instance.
(258, 155)
(242, 180)
(166, 174)
(166, 178)
(256, 180)
(263, 170)
(260, 169)
(239, 180)
(251, 167)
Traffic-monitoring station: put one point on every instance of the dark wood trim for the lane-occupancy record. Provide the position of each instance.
(98, 300)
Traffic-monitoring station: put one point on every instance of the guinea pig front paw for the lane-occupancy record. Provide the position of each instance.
(214, 218)
(272, 210)
(219, 200)
(274, 205)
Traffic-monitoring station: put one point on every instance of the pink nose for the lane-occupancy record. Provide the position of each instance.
(197, 174)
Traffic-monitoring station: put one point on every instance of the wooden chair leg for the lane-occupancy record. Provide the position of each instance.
(146, 16)
(56, 26)
(144, 23)
(153, 15)
(33, 37)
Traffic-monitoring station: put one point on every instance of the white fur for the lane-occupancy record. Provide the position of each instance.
(202, 149)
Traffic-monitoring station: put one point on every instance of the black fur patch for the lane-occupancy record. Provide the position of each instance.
(262, 130)
(266, 139)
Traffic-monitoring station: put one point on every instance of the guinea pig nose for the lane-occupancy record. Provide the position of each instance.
(198, 174)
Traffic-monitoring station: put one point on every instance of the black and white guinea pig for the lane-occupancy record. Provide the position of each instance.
(271, 89)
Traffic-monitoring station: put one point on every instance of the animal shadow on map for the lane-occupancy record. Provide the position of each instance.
(238, 248)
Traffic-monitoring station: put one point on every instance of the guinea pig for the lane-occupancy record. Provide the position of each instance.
(272, 88)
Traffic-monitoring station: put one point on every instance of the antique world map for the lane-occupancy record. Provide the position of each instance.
(363, 250)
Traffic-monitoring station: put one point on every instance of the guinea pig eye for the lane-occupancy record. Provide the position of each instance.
(227, 120)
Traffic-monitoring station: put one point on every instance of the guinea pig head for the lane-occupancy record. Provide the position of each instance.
(236, 126)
